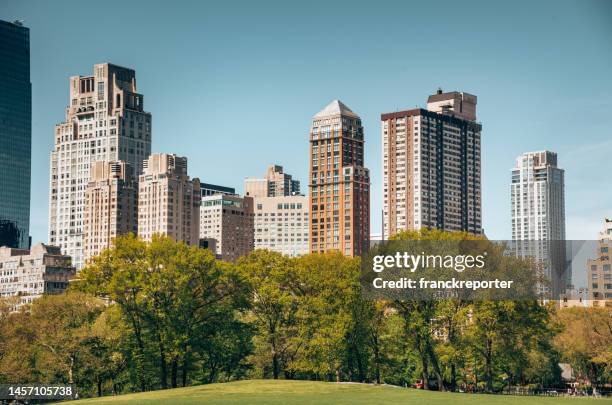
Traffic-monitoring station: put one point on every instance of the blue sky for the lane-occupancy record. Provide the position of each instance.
(233, 85)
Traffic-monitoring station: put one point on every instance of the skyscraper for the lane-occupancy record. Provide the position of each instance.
(168, 201)
(105, 121)
(538, 215)
(276, 183)
(431, 166)
(339, 183)
(15, 134)
(111, 206)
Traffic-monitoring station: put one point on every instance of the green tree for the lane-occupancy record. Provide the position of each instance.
(63, 325)
(171, 297)
(269, 276)
(17, 351)
(419, 315)
(328, 289)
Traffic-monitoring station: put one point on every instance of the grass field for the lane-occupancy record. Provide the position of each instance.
(257, 392)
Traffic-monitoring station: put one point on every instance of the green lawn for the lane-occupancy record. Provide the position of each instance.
(314, 393)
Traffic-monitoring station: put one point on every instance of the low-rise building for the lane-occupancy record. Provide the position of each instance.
(229, 221)
(212, 189)
(281, 224)
(27, 274)
(276, 183)
(599, 270)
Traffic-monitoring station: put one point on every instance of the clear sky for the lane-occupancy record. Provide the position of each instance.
(233, 85)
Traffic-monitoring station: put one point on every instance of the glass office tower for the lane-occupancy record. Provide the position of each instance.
(15, 134)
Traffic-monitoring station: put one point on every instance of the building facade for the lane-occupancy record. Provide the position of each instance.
(538, 216)
(276, 183)
(281, 224)
(168, 201)
(111, 206)
(27, 274)
(15, 135)
(432, 166)
(599, 270)
(339, 198)
(105, 121)
(226, 225)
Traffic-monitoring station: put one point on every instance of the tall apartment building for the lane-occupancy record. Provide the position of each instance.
(105, 121)
(111, 206)
(599, 270)
(538, 215)
(431, 166)
(168, 201)
(15, 134)
(339, 200)
(27, 274)
(226, 225)
(275, 183)
(281, 224)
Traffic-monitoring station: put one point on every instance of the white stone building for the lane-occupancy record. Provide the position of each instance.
(105, 120)
(27, 274)
(281, 224)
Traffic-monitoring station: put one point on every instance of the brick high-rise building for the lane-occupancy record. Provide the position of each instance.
(15, 134)
(168, 201)
(111, 206)
(105, 121)
(276, 183)
(339, 198)
(431, 166)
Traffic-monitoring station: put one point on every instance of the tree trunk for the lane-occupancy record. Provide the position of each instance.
(99, 387)
(184, 369)
(70, 371)
(174, 372)
(377, 364)
(275, 362)
(140, 356)
(360, 367)
(436, 367)
(425, 371)
(163, 375)
(488, 367)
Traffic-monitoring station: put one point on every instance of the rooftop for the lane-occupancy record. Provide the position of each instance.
(336, 107)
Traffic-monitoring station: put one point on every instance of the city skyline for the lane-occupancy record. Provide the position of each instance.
(516, 102)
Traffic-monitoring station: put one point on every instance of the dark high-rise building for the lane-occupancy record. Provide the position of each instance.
(15, 134)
